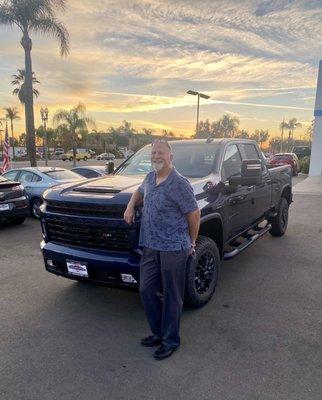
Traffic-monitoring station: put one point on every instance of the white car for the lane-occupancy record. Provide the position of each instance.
(106, 156)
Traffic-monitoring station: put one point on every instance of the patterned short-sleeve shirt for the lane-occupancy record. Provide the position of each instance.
(164, 225)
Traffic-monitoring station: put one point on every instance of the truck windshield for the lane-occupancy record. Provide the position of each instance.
(191, 160)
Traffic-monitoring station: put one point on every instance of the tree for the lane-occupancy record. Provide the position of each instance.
(262, 136)
(147, 131)
(22, 140)
(226, 126)
(37, 16)
(292, 125)
(12, 114)
(309, 130)
(204, 130)
(52, 135)
(19, 81)
(167, 133)
(74, 122)
(242, 134)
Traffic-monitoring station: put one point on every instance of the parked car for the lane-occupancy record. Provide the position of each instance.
(302, 151)
(58, 151)
(14, 204)
(86, 237)
(36, 180)
(286, 159)
(106, 156)
(79, 156)
(90, 171)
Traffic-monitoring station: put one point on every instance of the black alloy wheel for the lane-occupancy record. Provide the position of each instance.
(280, 222)
(202, 273)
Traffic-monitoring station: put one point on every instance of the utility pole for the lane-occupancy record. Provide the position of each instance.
(44, 117)
(204, 96)
(281, 149)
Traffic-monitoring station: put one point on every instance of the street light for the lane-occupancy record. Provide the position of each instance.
(44, 117)
(204, 96)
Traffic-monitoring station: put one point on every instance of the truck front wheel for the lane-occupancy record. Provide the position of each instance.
(279, 223)
(202, 273)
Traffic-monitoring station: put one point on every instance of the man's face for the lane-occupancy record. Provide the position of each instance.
(161, 156)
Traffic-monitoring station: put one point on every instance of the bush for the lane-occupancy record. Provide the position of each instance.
(305, 164)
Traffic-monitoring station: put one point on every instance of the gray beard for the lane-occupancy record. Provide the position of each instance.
(157, 166)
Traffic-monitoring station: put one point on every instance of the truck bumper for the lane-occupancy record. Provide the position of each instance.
(112, 268)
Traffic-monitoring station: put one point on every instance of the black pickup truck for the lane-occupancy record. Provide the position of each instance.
(240, 198)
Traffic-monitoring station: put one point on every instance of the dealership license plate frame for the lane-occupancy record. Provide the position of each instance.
(77, 268)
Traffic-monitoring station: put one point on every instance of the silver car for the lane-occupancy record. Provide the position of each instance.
(36, 180)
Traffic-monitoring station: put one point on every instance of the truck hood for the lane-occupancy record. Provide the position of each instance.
(112, 189)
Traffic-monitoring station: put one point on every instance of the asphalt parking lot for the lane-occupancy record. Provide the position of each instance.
(259, 337)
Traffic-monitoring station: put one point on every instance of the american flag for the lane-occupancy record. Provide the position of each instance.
(6, 146)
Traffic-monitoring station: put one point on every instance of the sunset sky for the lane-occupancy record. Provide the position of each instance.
(136, 59)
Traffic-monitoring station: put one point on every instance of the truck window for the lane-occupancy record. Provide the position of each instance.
(232, 163)
(250, 151)
(193, 160)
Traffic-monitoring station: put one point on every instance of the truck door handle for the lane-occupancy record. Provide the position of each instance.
(236, 199)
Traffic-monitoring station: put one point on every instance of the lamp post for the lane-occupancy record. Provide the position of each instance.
(204, 96)
(44, 117)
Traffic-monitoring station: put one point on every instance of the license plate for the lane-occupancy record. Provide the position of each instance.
(77, 268)
(4, 207)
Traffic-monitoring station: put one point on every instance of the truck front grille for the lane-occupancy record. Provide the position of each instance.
(81, 209)
(76, 232)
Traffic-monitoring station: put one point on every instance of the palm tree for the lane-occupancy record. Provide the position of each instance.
(37, 16)
(19, 81)
(12, 114)
(75, 121)
(293, 124)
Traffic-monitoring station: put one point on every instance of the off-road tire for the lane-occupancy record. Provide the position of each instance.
(279, 223)
(206, 263)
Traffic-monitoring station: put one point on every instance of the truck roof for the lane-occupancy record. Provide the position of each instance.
(211, 140)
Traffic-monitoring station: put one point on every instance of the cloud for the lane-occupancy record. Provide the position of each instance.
(141, 56)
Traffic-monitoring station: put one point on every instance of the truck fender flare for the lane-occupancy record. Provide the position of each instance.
(217, 236)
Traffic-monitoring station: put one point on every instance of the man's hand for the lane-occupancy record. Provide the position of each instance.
(129, 215)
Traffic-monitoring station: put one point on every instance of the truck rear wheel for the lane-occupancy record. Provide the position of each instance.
(202, 273)
(279, 223)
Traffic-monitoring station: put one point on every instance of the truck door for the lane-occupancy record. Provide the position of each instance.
(236, 204)
(260, 195)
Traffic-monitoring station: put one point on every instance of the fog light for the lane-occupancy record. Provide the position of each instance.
(128, 278)
(50, 263)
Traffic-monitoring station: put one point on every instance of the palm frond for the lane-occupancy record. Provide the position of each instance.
(6, 16)
(55, 28)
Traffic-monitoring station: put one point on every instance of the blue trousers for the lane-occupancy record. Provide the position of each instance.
(163, 271)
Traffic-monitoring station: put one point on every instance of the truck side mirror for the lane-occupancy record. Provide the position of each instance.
(109, 168)
(251, 174)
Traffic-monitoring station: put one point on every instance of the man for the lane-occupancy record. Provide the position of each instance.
(169, 229)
